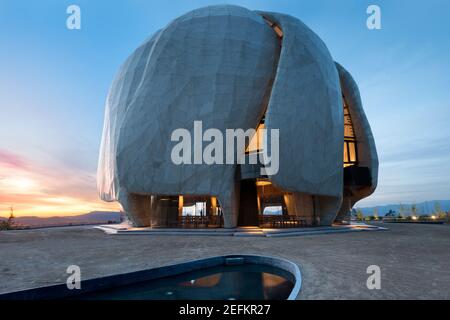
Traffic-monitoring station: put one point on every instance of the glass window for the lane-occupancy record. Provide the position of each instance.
(275, 27)
(348, 131)
(350, 153)
(345, 152)
(273, 211)
(197, 209)
(256, 142)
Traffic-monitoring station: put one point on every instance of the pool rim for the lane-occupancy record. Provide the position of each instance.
(60, 291)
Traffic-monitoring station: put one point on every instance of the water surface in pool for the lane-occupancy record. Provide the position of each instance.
(225, 282)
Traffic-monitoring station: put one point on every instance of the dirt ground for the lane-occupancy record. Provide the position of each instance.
(414, 259)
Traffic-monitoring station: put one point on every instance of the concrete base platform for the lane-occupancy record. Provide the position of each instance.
(126, 229)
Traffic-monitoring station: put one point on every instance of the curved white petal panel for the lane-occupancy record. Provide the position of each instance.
(306, 106)
(367, 151)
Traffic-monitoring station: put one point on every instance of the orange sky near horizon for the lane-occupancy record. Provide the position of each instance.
(35, 190)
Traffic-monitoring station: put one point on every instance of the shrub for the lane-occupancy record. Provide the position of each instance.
(7, 225)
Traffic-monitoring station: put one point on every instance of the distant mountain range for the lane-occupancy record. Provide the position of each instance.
(94, 217)
(104, 217)
(426, 207)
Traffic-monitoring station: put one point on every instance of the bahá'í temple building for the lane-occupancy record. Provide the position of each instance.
(230, 67)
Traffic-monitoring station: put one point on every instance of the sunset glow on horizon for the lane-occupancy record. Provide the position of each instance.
(34, 190)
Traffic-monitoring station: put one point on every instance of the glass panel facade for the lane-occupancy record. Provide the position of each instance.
(345, 152)
(256, 143)
(350, 147)
(197, 209)
(188, 211)
(273, 210)
(275, 27)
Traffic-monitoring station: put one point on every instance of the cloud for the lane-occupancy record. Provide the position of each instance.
(12, 160)
(36, 189)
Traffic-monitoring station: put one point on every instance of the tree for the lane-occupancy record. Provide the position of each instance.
(401, 211)
(375, 213)
(442, 215)
(437, 208)
(414, 210)
(359, 215)
(10, 223)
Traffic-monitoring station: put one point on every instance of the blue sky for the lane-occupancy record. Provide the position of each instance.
(54, 81)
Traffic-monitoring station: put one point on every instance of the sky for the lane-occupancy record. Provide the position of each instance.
(54, 81)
